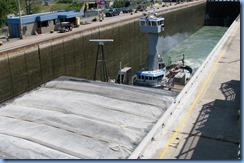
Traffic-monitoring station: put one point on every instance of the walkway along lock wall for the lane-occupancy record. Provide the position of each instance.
(26, 67)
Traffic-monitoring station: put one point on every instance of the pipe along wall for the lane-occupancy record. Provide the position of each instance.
(27, 67)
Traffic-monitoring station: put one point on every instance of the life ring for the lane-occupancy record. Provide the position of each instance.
(174, 71)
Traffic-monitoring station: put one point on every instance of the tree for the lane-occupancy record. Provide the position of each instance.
(65, 1)
(32, 6)
(126, 3)
(7, 7)
(117, 4)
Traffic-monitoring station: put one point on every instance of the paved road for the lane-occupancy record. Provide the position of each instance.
(122, 18)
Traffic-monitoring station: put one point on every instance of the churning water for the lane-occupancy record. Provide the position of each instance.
(196, 47)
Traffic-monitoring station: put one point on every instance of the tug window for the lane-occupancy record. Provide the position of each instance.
(148, 23)
(143, 23)
(154, 23)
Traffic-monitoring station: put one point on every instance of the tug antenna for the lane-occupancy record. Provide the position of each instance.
(101, 40)
(102, 57)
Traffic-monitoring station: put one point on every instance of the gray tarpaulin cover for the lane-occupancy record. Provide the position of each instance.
(70, 118)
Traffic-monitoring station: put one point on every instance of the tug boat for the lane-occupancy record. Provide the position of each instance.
(155, 71)
(165, 76)
(157, 74)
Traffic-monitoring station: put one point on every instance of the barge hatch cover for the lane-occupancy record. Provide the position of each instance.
(72, 118)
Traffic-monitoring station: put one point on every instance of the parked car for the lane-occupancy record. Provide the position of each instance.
(65, 27)
(141, 8)
(127, 10)
(112, 12)
(163, 4)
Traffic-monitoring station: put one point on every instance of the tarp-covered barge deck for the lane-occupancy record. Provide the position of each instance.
(71, 118)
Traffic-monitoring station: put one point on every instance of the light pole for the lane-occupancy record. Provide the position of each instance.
(20, 23)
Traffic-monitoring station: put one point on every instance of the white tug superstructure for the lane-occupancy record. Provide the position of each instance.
(155, 69)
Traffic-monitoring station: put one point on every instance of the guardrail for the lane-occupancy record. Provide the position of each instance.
(192, 86)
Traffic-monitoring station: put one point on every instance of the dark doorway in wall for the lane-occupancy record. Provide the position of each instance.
(221, 13)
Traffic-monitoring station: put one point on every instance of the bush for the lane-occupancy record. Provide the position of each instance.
(64, 1)
(75, 6)
(59, 7)
(117, 4)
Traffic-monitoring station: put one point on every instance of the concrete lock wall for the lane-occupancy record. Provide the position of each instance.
(73, 55)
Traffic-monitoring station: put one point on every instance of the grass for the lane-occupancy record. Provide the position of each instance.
(54, 7)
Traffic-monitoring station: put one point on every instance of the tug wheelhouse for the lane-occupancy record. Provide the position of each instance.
(151, 24)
